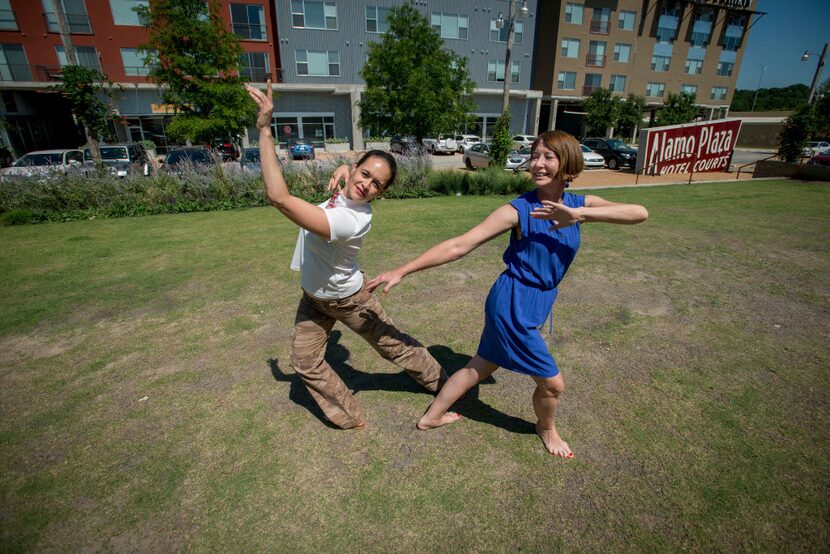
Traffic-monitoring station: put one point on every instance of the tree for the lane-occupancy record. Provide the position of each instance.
(677, 109)
(793, 136)
(603, 111)
(771, 99)
(631, 113)
(501, 142)
(194, 58)
(85, 90)
(413, 85)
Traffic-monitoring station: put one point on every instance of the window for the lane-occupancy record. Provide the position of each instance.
(622, 53)
(13, 63)
(655, 89)
(660, 63)
(593, 81)
(596, 54)
(450, 25)
(134, 64)
(495, 71)
(734, 33)
(718, 93)
(312, 126)
(617, 83)
(693, 66)
(76, 16)
(318, 63)
(688, 89)
(87, 57)
(570, 48)
(500, 35)
(702, 27)
(248, 21)
(668, 23)
(376, 19)
(7, 19)
(601, 21)
(567, 80)
(308, 14)
(626, 22)
(573, 13)
(253, 67)
(123, 12)
(725, 69)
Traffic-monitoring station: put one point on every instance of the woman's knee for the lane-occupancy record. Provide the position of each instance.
(554, 386)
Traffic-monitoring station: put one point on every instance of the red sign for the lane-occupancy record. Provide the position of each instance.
(287, 129)
(689, 148)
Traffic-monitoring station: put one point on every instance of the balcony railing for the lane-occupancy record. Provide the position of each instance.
(248, 31)
(587, 90)
(600, 27)
(595, 60)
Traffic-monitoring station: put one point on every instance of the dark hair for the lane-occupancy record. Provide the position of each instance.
(567, 149)
(385, 156)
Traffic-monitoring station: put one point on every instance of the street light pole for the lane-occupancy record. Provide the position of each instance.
(511, 22)
(804, 58)
(763, 68)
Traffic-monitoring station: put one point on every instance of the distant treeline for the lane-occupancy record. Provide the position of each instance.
(771, 99)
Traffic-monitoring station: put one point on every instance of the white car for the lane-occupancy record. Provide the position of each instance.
(815, 146)
(465, 141)
(591, 158)
(444, 144)
(44, 163)
(520, 141)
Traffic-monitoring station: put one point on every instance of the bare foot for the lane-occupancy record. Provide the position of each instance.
(359, 427)
(450, 417)
(553, 442)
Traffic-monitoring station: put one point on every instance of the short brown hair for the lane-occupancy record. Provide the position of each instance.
(567, 149)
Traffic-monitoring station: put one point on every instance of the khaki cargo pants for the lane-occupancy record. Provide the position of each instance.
(363, 314)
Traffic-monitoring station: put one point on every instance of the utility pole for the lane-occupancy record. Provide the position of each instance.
(763, 68)
(71, 59)
(818, 69)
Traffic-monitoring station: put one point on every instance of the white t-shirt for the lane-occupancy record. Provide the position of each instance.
(328, 268)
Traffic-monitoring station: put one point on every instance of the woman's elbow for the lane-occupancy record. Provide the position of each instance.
(642, 214)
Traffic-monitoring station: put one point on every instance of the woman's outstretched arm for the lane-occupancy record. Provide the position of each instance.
(596, 209)
(306, 215)
(496, 223)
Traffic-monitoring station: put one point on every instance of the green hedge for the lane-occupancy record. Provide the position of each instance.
(74, 197)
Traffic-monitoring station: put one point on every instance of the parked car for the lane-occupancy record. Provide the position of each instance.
(44, 163)
(478, 155)
(617, 154)
(444, 144)
(463, 142)
(815, 146)
(591, 158)
(822, 158)
(520, 141)
(121, 159)
(226, 149)
(301, 148)
(249, 161)
(405, 145)
(184, 158)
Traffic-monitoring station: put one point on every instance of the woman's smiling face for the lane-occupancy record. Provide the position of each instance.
(368, 180)
(544, 165)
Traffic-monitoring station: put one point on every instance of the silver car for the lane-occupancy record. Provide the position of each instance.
(44, 164)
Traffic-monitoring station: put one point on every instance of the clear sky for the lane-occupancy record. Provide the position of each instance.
(779, 39)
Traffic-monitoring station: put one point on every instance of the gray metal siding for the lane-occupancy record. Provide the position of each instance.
(351, 39)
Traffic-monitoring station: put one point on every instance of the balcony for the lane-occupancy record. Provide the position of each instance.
(600, 27)
(595, 60)
(587, 90)
(247, 31)
(15, 72)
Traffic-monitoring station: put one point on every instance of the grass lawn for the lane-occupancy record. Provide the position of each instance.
(148, 402)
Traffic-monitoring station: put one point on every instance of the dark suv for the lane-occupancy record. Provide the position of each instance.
(617, 154)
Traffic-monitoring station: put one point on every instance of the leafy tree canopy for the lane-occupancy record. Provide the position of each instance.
(413, 85)
(502, 141)
(603, 110)
(793, 136)
(677, 109)
(194, 58)
(631, 111)
(771, 99)
(86, 90)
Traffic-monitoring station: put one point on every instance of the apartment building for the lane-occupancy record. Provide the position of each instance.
(646, 47)
(106, 35)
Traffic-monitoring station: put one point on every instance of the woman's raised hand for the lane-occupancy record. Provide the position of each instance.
(340, 174)
(560, 214)
(265, 103)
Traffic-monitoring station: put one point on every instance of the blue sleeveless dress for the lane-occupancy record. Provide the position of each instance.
(522, 296)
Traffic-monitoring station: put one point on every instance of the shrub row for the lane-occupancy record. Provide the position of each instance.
(68, 198)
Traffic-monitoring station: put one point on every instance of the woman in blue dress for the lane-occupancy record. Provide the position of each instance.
(545, 225)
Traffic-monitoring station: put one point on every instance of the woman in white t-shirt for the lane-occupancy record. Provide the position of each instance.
(331, 236)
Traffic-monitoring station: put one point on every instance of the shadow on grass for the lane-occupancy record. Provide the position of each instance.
(337, 357)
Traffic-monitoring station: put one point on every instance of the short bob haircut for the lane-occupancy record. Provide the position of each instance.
(385, 156)
(567, 149)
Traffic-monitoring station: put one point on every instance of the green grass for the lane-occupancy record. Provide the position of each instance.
(694, 348)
